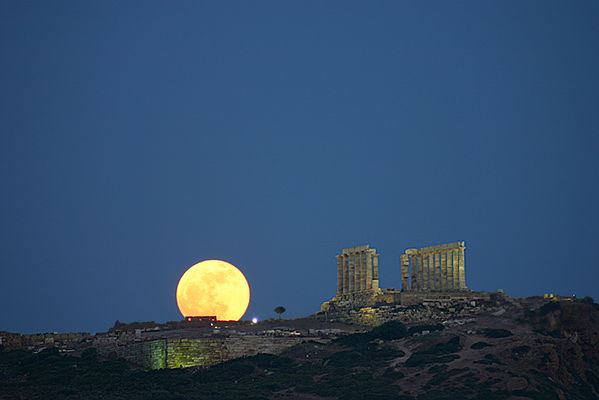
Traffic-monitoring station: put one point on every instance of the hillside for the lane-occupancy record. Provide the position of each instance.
(533, 350)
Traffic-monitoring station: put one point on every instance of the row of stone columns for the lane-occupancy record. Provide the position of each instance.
(434, 268)
(357, 270)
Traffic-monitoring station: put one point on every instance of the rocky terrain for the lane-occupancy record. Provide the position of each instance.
(527, 349)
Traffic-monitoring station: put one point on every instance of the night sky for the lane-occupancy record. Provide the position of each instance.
(138, 138)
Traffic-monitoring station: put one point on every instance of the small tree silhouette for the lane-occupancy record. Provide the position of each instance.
(280, 310)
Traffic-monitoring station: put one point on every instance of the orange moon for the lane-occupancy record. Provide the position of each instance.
(213, 288)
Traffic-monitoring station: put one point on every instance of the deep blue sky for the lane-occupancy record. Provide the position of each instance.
(137, 138)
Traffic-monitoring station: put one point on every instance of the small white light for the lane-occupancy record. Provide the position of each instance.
(254, 320)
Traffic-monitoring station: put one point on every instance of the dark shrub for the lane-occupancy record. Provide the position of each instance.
(437, 368)
(355, 339)
(497, 333)
(90, 354)
(439, 353)
(392, 373)
(390, 330)
(587, 300)
(345, 358)
(520, 350)
(420, 328)
(549, 307)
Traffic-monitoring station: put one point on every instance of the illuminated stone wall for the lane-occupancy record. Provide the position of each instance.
(150, 354)
(195, 352)
(175, 353)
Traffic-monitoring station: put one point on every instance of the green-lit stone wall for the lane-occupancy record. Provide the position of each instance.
(155, 354)
(175, 353)
(194, 352)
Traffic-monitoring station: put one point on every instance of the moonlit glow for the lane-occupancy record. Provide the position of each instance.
(213, 288)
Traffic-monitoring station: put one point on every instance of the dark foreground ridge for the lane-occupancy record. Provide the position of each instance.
(546, 352)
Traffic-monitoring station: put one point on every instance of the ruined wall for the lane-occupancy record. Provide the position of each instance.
(38, 340)
(150, 354)
(11, 340)
(175, 353)
(194, 352)
(241, 346)
(424, 310)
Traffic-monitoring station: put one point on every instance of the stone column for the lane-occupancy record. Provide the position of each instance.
(441, 273)
(339, 275)
(404, 261)
(421, 282)
(451, 268)
(443, 256)
(366, 279)
(414, 260)
(358, 268)
(352, 273)
(422, 273)
(357, 275)
(362, 271)
(456, 273)
(375, 270)
(368, 267)
(450, 274)
(462, 266)
(424, 263)
(414, 264)
(345, 274)
(367, 271)
(434, 272)
(445, 269)
(430, 269)
(430, 272)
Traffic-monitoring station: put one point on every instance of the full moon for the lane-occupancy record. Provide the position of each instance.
(213, 288)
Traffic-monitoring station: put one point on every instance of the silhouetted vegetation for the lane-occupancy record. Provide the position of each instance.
(443, 375)
(587, 300)
(421, 328)
(391, 330)
(549, 307)
(280, 310)
(480, 345)
(489, 359)
(520, 350)
(496, 333)
(439, 353)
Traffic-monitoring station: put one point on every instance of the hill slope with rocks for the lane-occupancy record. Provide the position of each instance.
(530, 350)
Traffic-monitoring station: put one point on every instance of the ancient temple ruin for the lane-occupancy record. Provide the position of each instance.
(357, 270)
(427, 274)
(434, 268)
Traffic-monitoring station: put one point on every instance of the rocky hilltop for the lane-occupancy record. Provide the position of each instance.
(524, 349)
